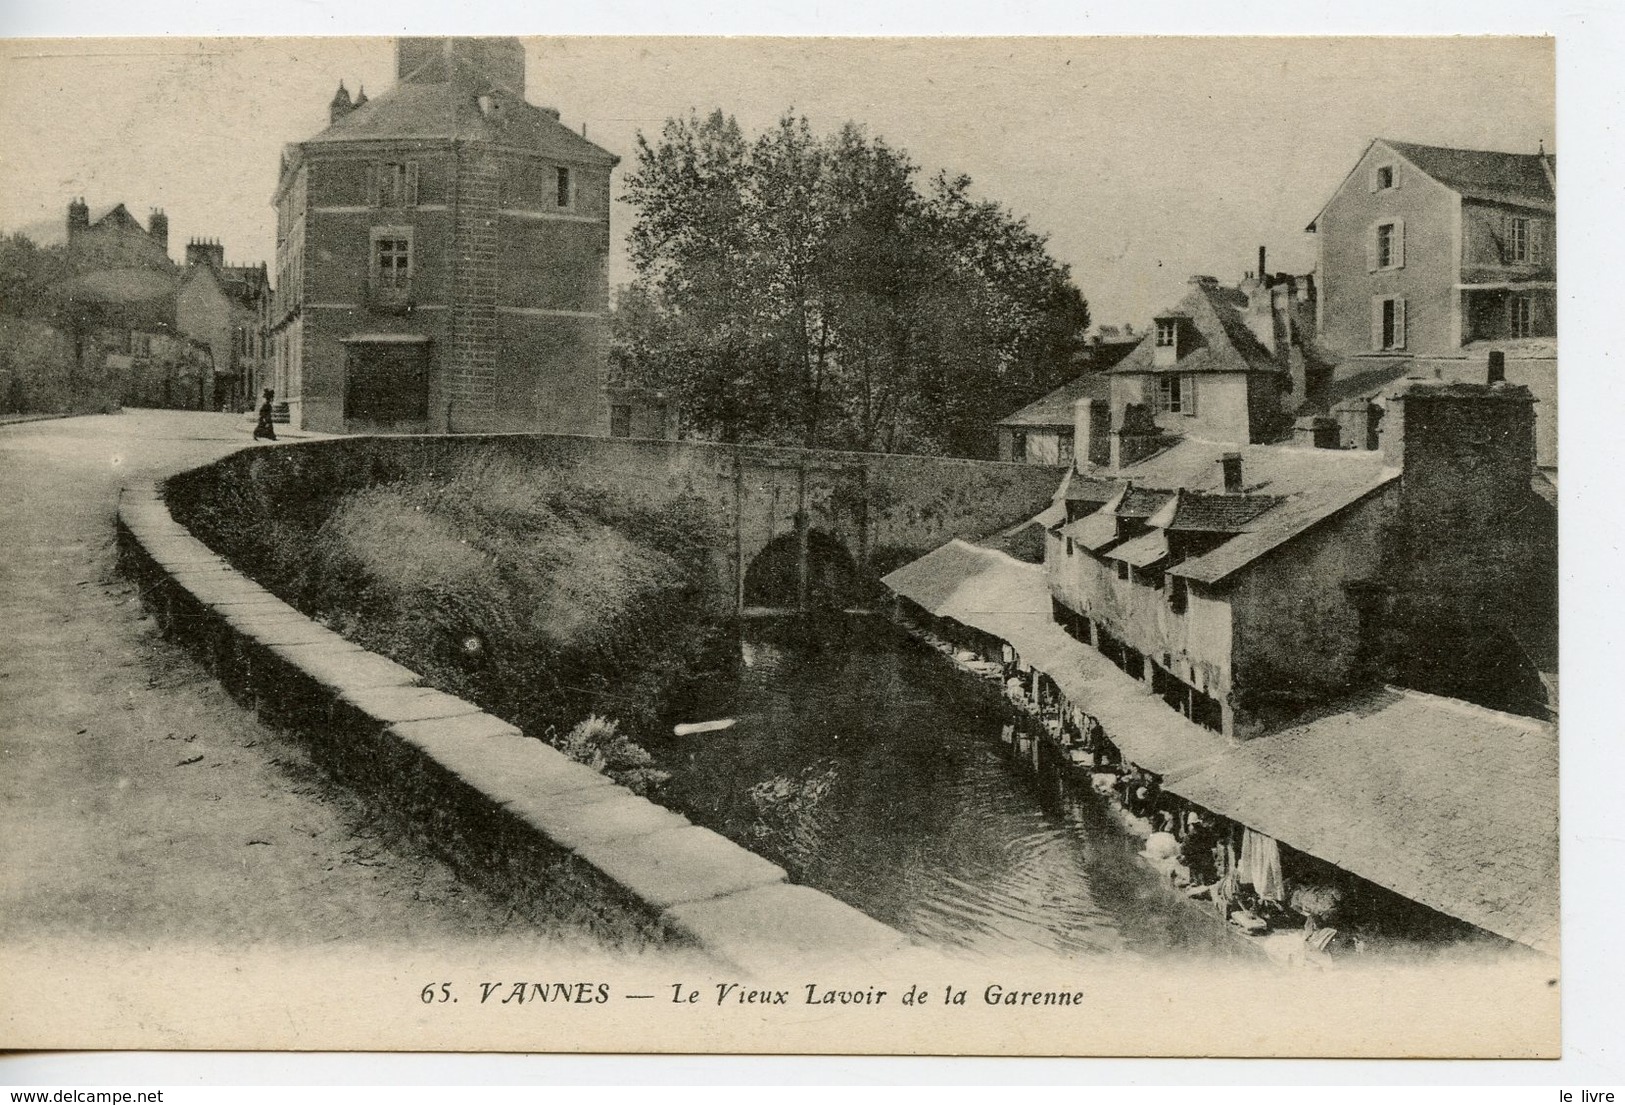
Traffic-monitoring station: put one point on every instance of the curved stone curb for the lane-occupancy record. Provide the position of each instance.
(465, 775)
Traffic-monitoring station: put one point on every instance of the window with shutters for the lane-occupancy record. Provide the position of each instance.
(1174, 395)
(1521, 316)
(1385, 248)
(393, 184)
(1388, 323)
(1167, 333)
(1518, 239)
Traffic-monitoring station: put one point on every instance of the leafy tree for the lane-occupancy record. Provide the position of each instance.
(807, 290)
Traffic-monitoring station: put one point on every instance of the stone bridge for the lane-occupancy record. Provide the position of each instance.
(804, 527)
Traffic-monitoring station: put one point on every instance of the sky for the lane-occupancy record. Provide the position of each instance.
(1144, 160)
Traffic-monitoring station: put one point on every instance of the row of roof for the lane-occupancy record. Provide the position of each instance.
(1181, 489)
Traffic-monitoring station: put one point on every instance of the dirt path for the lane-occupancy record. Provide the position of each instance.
(137, 801)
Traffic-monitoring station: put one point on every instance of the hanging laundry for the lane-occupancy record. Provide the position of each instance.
(1260, 865)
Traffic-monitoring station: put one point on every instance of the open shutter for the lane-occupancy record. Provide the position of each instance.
(372, 185)
(411, 184)
(1399, 244)
(1537, 241)
(1371, 248)
(1190, 396)
(1401, 321)
(1376, 323)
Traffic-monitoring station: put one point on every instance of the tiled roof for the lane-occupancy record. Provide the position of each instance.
(1139, 502)
(1208, 512)
(1446, 803)
(1517, 178)
(424, 105)
(1213, 336)
(1307, 486)
(1058, 408)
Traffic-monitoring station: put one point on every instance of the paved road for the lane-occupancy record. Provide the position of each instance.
(137, 800)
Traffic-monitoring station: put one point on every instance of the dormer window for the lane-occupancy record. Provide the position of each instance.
(1167, 333)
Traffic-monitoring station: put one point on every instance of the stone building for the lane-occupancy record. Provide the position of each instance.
(1247, 584)
(441, 255)
(1430, 259)
(228, 307)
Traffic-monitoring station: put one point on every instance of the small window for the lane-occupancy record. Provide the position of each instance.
(1122, 570)
(1167, 333)
(620, 420)
(1518, 240)
(1070, 547)
(1063, 447)
(1018, 447)
(1521, 316)
(392, 261)
(563, 186)
(1385, 177)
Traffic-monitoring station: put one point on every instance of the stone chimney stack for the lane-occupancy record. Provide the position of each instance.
(158, 228)
(340, 105)
(1231, 463)
(1091, 433)
(78, 217)
(206, 251)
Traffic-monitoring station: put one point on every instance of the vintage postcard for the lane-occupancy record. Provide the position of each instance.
(996, 546)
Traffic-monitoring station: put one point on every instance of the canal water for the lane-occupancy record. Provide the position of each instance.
(871, 769)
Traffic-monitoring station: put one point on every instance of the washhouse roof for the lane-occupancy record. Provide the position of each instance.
(1446, 803)
(1010, 600)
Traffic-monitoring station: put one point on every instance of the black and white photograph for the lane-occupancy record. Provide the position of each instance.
(1033, 546)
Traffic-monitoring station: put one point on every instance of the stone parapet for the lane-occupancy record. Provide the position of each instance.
(529, 818)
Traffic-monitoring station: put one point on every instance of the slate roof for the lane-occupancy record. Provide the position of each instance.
(1058, 408)
(1081, 488)
(1444, 802)
(1516, 178)
(1138, 502)
(1213, 336)
(1208, 512)
(429, 103)
(1307, 486)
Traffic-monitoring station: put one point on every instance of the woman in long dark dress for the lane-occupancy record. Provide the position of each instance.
(266, 427)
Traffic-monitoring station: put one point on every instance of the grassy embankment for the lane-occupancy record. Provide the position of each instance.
(541, 597)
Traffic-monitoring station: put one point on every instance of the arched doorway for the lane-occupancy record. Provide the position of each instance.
(774, 577)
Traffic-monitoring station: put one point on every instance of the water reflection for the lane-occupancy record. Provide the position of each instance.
(872, 771)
